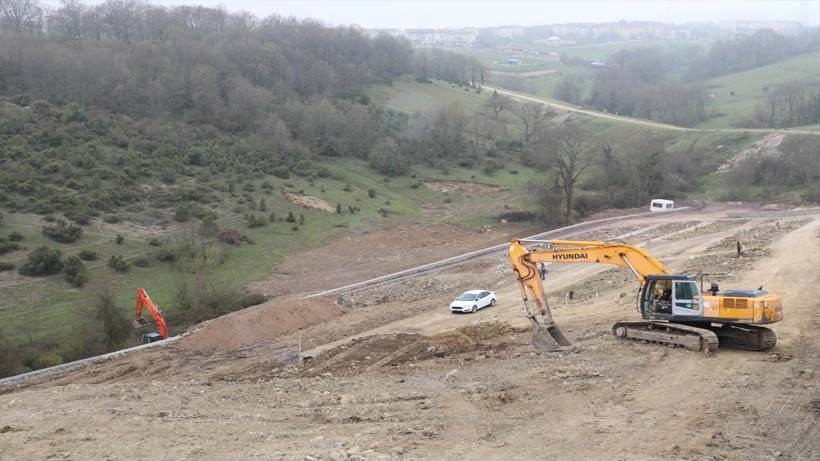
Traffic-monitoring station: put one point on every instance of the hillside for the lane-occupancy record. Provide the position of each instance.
(734, 97)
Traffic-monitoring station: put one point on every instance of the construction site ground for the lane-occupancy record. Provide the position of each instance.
(396, 376)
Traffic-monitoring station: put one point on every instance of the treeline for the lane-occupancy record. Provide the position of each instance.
(145, 60)
(639, 83)
(434, 63)
(792, 103)
(749, 51)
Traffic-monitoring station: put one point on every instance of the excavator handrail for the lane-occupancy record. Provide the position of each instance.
(144, 301)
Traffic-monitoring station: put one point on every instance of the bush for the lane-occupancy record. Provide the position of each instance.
(371, 192)
(301, 219)
(256, 221)
(291, 217)
(4, 266)
(88, 255)
(165, 255)
(118, 264)
(42, 261)
(155, 242)
(142, 261)
(63, 232)
(281, 172)
(252, 299)
(16, 237)
(182, 213)
(75, 272)
(6, 246)
(111, 219)
(119, 239)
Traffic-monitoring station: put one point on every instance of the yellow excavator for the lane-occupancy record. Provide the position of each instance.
(674, 309)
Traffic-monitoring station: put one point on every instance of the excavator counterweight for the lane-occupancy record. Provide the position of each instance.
(674, 309)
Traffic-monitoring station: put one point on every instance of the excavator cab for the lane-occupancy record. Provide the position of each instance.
(668, 297)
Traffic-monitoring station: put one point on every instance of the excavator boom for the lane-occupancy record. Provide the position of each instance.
(144, 301)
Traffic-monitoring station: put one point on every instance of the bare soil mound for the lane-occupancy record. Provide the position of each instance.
(463, 187)
(260, 323)
(309, 201)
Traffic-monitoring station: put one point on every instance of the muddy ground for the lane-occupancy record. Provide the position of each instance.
(398, 377)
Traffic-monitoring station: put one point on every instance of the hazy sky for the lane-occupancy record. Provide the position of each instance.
(429, 13)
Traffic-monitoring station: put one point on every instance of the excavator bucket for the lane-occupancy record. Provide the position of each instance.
(549, 338)
(139, 322)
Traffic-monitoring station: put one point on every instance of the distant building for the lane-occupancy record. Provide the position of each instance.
(513, 62)
(509, 32)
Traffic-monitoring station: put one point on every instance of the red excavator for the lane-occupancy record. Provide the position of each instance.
(144, 301)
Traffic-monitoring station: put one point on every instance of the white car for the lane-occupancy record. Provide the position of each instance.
(473, 300)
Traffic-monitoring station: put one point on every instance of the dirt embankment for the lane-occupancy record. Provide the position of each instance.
(369, 254)
(309, 201)
(463, 187)
(260, 323)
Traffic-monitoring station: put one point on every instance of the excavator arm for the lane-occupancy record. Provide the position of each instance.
(144, 301)
(525, 266)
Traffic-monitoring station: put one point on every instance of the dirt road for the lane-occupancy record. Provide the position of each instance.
(400, 378)
(638, 121)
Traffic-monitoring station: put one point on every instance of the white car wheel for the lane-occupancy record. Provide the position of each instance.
(475, 308)
(492, 302)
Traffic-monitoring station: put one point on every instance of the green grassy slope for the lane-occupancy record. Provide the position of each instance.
(748, 87)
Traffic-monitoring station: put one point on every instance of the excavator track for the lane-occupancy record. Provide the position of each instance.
(745, 337)
(673, 334)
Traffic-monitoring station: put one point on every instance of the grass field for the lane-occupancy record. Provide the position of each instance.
(748, 88)
(410, 96)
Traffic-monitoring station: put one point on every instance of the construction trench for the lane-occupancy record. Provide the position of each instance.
(395, 375)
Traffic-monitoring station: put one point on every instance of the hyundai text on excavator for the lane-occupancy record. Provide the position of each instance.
(144, 301)
(674, 310)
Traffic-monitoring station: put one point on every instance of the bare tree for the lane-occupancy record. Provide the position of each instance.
(566, 151)
(533, 117)
(21, 15)
(498, 103)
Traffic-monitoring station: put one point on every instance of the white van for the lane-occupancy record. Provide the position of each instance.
(660, 204)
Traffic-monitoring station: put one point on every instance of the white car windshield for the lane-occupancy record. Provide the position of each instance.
(466, 297)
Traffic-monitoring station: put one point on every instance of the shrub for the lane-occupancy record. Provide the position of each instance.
(111, 219)
(142, 261)
(88, 255)
(252, 299)
(165, 255)
(371, 192)
(295, 228)
(16, 237)
(6, 246)
(63, 232)
(42, 261)
(119, 239)
(118, 264)
(347, 188)
(5, 266)
(281, 172)
(301, 219)
(338, 208)
(155, 242)
(256, 221)
(75, 272)
(291, 217)
(182, 213)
